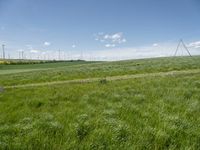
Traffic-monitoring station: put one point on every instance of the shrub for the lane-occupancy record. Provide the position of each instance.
(103, 81)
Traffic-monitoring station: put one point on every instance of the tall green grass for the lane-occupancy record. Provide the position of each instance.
(144, 113)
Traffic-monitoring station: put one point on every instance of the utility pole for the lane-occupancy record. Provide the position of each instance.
(22, 54)
(3, 49)
(19, 54)
(81, 55)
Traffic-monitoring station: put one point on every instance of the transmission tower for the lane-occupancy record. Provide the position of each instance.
(185, 47)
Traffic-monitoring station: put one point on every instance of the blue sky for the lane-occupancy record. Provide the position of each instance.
(99, 28)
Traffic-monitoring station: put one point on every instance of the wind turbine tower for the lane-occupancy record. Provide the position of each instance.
(3, 49)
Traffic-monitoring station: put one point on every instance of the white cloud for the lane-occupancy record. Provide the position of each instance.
(110, 45)
(34, 51)
(73, 46)
(114, 39)
(47, 43)
(155, 44)
(194, 44)
(124, 40)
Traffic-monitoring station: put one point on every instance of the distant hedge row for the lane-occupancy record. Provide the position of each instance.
(18, 62)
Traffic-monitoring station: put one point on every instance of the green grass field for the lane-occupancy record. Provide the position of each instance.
(134, 104)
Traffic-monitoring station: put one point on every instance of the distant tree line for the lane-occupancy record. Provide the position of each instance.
(18, 62)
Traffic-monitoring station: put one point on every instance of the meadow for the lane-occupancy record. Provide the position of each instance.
(134, 104)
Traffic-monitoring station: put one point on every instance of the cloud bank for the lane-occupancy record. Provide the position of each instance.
(110, 52)
(195, 45)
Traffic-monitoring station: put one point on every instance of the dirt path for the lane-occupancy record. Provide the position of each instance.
(112, 78)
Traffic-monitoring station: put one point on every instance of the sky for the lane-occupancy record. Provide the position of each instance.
(98, 29)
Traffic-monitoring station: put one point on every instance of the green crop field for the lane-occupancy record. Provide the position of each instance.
(133, 104)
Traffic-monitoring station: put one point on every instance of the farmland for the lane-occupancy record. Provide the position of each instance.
(133, 104)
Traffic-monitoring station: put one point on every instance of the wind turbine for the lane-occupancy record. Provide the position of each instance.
(3, 51)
